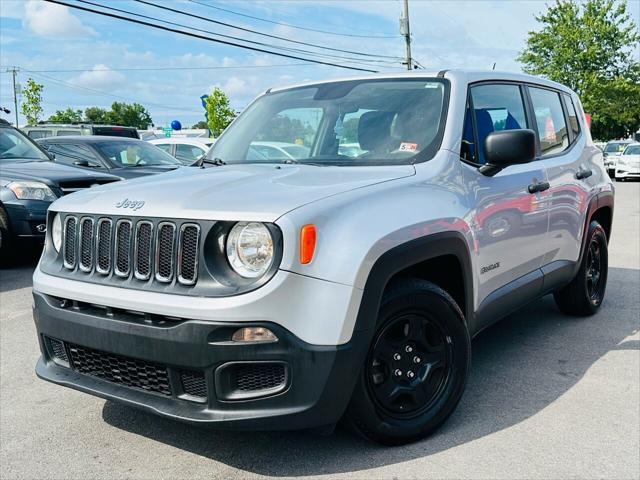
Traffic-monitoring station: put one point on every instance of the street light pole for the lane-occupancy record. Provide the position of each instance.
(14, 71)
(406, 32)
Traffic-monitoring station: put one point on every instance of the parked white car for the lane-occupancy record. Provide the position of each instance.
(185, 149)
(612, 152)
(628, 164)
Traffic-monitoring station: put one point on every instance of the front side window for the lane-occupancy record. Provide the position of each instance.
(14, 146)
(495, 108)
(134, 154)
(552, 129)
(73, 154)
(342, 123)
(164, 146)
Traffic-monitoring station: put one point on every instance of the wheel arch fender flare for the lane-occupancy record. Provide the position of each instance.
(406, 255)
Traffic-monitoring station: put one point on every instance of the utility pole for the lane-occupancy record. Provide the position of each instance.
(14, 71)
(406, 33)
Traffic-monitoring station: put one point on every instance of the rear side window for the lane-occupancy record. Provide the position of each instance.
(574, 124)
(492, 108)
(39, 133)
(552, 129)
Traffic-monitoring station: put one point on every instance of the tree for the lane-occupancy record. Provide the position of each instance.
(590, 47)
(66, 116)
(130, 115)
(95, 115)
(31, 106)
(219, 113)
(200, 124)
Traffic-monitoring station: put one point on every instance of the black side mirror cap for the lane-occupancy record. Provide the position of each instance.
(508, 147)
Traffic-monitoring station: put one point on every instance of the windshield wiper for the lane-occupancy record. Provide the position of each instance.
(218, 162)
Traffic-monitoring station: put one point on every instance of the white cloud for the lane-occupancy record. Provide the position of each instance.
(100, 78)
(51, 20)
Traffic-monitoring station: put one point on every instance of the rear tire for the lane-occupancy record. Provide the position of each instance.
(584, 295)
(416, 368)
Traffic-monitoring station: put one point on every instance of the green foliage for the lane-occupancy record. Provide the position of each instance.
(200, 124)
(66, 116)
(129, 115)
(350, 134)
(219, 112)
(284, 129)
(31, 106)
(591, 47)
(95, 115)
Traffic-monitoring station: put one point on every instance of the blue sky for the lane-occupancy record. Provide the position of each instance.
(48, 41)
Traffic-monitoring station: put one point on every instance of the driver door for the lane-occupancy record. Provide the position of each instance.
(509, 223)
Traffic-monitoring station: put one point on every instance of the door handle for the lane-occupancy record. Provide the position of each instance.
(538, 187)
(582, 174)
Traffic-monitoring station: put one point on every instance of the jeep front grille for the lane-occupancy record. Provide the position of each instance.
(125, 249)
(69, 250)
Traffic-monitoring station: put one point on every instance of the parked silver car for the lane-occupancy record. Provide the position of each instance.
(294, 293)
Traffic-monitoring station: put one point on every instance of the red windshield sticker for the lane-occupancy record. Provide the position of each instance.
(408, 147)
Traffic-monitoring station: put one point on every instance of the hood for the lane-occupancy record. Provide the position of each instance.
(50, 173)
(231, 192)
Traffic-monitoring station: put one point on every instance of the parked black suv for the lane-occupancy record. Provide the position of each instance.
(29, 182)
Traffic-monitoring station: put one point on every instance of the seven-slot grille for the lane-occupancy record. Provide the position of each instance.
(143, 250)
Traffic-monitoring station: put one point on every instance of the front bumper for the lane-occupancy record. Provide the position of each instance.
(317, 387)
(627, 171)
(28, 218)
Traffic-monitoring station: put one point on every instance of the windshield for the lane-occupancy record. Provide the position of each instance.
(632, 150)
(615, 147)
(135, 154)
(16, 146)
(366, 122)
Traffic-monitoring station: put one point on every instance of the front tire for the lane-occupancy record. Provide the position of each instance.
(6, 238)
(584, 295)
(416, 368)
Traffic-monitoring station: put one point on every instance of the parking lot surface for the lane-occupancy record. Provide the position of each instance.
(548, 397)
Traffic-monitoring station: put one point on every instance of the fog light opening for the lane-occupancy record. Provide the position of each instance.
(254, 335)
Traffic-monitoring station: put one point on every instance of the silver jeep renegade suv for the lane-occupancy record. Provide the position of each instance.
(342, 275)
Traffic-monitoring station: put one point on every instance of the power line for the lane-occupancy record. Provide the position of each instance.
(288, 49)
(202, 37)
(289, 25)
(277, 37)
(101, 92)
(157, 69)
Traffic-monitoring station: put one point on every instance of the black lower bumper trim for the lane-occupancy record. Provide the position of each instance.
(318, 379)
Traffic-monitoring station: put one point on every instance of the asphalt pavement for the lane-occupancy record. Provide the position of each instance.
(548, 397)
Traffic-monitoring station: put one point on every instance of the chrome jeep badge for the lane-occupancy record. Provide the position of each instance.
(132, 204)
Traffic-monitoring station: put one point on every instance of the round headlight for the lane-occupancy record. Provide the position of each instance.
(56, 232)
(250, 249)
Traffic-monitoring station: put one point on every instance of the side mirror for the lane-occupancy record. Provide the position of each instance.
(508, 147)
(81, 163)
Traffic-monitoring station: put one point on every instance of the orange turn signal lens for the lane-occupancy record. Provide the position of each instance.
(307, 243)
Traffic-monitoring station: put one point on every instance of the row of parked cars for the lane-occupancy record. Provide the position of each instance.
(622, 159)
(43, 162)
